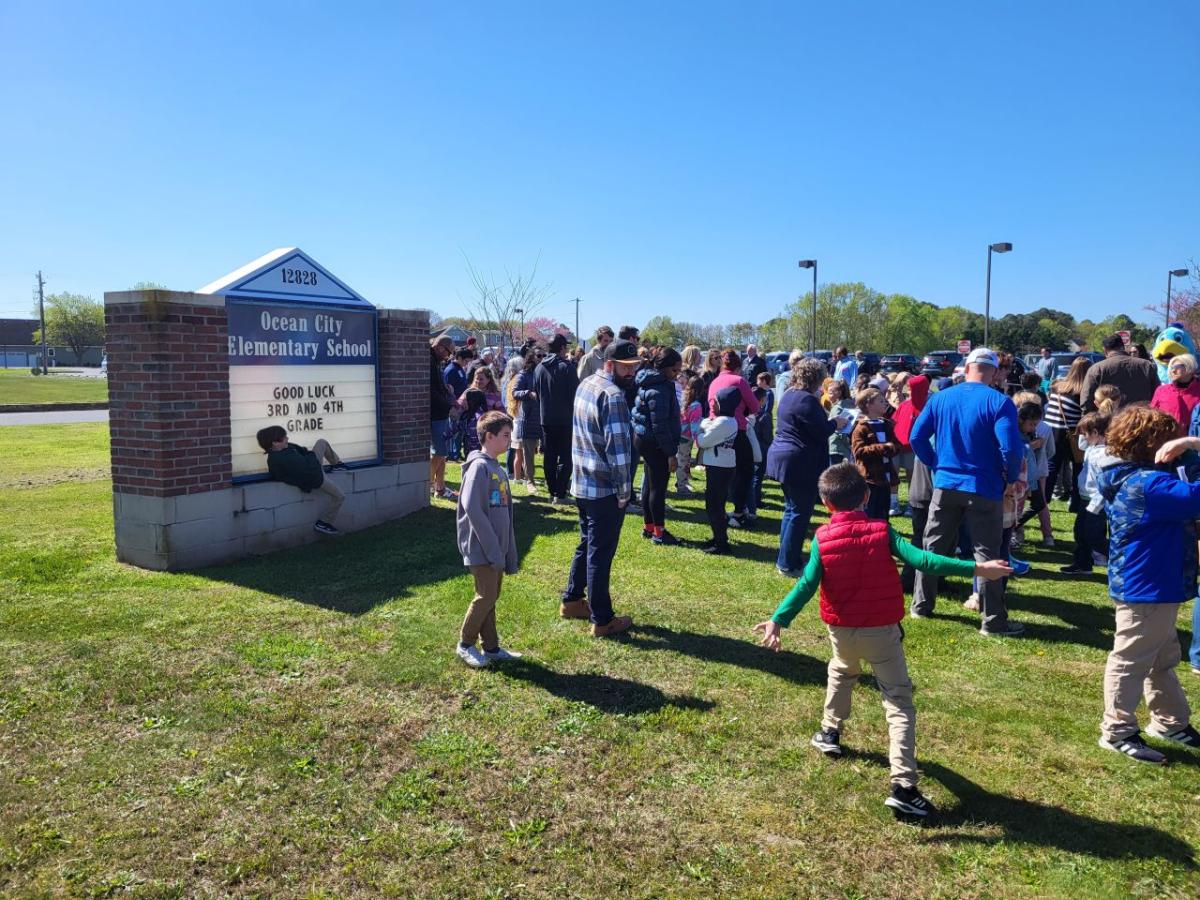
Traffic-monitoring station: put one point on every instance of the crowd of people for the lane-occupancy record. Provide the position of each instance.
(981, 456)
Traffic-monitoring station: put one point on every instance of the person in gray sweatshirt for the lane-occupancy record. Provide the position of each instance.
(486, 539)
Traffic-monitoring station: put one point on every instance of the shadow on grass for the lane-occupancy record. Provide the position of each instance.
(604, 692)
(1029, 822)
(790, 666)
(363, 569)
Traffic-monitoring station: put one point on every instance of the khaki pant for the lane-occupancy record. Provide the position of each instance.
(882, 647)
(325, 454)
(1143, 659)
(480, 621)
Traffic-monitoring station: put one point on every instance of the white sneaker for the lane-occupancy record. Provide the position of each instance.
(972, 603)
(501, 655)
(473, 657)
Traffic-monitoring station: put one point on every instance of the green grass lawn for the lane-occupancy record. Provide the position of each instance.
(18, 386)
(297, 725)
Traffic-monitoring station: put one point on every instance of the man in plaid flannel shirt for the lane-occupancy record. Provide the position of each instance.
(602, 481)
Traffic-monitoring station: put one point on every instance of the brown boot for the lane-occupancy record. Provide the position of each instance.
(615, 626)
(575, 609)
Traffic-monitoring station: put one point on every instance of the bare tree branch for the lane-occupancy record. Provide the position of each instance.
(498, 301)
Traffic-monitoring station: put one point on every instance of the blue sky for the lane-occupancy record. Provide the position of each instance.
(661, 158)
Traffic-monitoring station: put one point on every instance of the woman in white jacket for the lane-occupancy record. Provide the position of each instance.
(717, 436)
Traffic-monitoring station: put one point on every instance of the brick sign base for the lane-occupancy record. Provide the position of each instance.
(174, 503)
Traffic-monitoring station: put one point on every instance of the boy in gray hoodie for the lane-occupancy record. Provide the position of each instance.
(486, 538)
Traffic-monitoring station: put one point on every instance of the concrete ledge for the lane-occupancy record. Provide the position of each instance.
(195, 530)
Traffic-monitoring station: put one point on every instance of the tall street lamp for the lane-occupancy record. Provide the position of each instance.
(521, 334)
(1176, 273)
(812, 339)
(987, 300)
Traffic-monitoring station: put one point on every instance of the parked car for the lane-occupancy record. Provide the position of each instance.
(1062, 362)
(869, 364)
(777, 361)
(825, 356)
(899, 362)
(940, 363)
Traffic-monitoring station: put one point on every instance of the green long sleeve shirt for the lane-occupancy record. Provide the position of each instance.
(810, 579)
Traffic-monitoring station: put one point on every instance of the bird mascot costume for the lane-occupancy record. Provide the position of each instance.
(1171, 341)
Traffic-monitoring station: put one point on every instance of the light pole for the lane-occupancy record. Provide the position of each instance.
(1177, 273)
(521, 334)
(576, 302)
(812, 338)
(987, 299)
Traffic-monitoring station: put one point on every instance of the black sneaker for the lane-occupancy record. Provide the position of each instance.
(909, 801)
(1188, 736)
(828, 741)
(338, 467)
(666, 539)
(1075, 570)
(324, 527)
(715, 549)
(1135, 748)
(646, 535)
(1008, 629)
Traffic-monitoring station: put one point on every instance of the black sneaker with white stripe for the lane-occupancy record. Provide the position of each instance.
(909, 801)
(828, 741)
(324, 527)
(1135, 748)
(1188, 736)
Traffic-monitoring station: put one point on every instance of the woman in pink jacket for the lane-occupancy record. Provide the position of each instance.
(730, 377)
(1179, 397)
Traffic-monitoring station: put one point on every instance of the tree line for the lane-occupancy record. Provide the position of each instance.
(861, 317)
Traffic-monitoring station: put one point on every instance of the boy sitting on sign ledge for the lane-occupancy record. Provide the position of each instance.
(301, 468)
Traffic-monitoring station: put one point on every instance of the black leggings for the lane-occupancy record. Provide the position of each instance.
(1037, 503)
(716, 489)
(743, 471)
(658, 472)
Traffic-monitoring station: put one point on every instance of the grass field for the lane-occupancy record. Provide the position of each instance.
(18, 386)
(297, 725)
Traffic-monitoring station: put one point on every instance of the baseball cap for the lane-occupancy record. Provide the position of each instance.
(558, 342)
(622, 352)
(982, 356)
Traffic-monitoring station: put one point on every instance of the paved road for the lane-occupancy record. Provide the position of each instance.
(54, 418)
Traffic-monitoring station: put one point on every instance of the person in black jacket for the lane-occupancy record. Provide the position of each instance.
(301, 468)
(753, 365)
(441, 401)
(656, 431)
(555, 381)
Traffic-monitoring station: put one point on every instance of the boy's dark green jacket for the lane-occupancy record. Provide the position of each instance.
(297, 466)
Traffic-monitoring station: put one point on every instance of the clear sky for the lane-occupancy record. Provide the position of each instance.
(673, 158)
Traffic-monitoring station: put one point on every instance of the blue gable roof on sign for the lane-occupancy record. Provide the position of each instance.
(286, 274)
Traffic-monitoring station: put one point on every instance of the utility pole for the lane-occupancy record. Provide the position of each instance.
(42, 316)
(576, 302)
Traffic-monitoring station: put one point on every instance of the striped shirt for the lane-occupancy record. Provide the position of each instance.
(1062, 411)
(601, 442)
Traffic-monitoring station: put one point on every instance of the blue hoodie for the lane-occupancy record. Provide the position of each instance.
(1152, 547)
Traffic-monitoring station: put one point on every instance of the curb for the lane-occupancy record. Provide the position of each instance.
(49, 407)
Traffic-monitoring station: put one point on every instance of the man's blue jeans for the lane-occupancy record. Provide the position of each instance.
(798, 502)
(599, 530)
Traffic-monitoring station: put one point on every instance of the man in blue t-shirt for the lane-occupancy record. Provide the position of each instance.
(969, 437)
(845, 368)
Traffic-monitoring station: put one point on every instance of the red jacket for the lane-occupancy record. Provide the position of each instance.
(1178, 401)
(860, 587)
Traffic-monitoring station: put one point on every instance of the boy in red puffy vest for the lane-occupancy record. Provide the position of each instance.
(862, 603)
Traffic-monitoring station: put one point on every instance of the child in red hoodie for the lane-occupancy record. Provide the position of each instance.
(862, 604)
